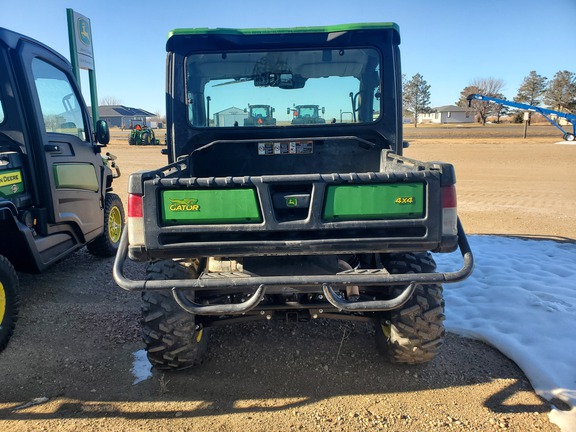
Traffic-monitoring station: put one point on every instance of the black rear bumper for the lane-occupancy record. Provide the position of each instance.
(260, 285)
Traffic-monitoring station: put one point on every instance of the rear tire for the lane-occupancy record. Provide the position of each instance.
(106, 244)
(145, 138)
(9, 301)
(173, 341)
(414, 333)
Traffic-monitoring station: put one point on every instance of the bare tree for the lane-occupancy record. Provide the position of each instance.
(561, 92)
(416, 96)
(485, 86)
(110, 100)
(158, 117)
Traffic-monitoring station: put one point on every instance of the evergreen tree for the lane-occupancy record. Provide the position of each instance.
(532, 89)
(416, 96)
(561, 92)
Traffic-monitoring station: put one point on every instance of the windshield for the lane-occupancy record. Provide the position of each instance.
(283, 88)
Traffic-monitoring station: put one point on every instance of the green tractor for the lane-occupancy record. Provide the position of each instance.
(306, 114)
(142, 136)
(260, 115)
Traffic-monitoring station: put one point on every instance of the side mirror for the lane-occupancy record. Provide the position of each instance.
(102, 132)
(287, 110)
(405, 144)
(323, 110)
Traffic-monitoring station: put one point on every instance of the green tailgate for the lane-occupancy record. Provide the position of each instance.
(210, 206)
(377, 201)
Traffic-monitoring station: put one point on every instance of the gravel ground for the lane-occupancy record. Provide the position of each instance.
(74, 343)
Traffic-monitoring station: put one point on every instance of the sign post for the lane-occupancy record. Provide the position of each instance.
(82, 54)
(526, 121)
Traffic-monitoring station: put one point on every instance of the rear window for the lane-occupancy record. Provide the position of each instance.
(283, 88)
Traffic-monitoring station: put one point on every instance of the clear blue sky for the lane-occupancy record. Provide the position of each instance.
(449, 42)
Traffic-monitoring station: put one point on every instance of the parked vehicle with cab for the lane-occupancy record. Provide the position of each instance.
(55, 182)
(297, 221)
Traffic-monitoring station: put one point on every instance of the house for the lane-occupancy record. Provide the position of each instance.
(229, 116)
(124, 117)
(448, 114)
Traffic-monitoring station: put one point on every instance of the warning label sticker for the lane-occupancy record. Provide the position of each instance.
(285, 148)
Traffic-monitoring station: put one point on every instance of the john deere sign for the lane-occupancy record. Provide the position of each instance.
(83, 41)
(82, 54)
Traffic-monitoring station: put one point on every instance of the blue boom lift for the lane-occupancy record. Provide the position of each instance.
(544, 111)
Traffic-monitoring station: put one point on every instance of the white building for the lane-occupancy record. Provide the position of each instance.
(448, 114)
(229, 116)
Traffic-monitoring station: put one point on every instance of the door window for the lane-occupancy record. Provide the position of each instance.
(58, 102)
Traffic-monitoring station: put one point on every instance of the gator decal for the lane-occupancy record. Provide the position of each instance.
(184, 205)
(210, 206)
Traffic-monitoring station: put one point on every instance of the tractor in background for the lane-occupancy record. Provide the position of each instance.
(306, 114)
(260, 115)
(142, 135)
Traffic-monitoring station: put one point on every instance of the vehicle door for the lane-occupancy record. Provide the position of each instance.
(67, 160)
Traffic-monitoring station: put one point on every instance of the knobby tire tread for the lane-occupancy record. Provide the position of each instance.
(414, 333)
(168, 331)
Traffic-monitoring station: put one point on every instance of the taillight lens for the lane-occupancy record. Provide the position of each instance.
(135, 205)
(449, 211)
(135, 220)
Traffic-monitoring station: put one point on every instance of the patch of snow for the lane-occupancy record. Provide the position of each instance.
(141, 368)
(521, 299)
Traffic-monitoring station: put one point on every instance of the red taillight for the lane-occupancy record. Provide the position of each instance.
(135, 205)
(449, 213)
(448, 196)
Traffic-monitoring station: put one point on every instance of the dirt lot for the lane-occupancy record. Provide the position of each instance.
(75, 340)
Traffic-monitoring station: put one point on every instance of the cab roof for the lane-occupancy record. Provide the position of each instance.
(256, 31)
(320, 34)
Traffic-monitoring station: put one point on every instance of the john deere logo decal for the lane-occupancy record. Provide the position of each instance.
(291, 202)
(184, 205)
(83, 31)
(10, 177)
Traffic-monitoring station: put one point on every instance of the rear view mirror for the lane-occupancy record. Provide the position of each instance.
(102, 132)
(285, 81)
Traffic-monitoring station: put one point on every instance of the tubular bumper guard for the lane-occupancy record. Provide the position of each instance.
(261, 283)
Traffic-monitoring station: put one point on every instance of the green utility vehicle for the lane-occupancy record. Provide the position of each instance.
(142, 136)
(260, 115)
(306, 114)
(55, 183)
(290, 222)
